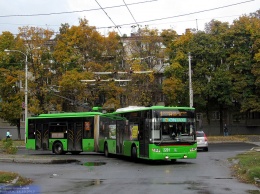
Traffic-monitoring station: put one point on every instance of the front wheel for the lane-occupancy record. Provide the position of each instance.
(58, 148)
(134, 153)
(173, 160)
(106, 151)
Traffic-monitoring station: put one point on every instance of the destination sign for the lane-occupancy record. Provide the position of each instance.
(173, 120)
(173, 113)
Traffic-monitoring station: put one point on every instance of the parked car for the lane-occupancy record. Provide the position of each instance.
(202, 141)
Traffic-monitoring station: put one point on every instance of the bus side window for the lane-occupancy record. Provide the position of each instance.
(31, 133)
(65, 131)
(87, 130)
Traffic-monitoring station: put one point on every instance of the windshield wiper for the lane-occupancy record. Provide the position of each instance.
(163, 139)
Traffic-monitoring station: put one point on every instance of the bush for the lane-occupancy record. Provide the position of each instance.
(8, 146)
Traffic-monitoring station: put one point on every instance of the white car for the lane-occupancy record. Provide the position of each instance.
(202, 141)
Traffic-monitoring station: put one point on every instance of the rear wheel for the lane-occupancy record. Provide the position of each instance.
(206, 149)
(106, 150)
(58, 148)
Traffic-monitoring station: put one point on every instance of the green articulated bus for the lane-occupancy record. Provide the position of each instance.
(62, 132)
(152, 133)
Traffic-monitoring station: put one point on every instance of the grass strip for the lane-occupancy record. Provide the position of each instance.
(8, 177)
(246, 167)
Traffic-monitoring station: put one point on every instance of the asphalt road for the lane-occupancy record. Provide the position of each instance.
(95, 174)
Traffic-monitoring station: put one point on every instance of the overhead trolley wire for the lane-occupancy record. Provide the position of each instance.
(69, 12)
(125, 24)
(117, 27)
(131, 13)
(192, 13)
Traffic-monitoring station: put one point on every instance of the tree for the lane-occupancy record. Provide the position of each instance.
(11, 98)
(244, 62)
(219, 90)
(145, 52)
(78, 45)
(10, 82)
(71, 89)
(211, 69)
(35, 43)
(168, 36)
(208, 62)
(83, 49)
(177, 73)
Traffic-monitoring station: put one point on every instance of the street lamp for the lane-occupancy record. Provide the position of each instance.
(26, 89)
(190, 83)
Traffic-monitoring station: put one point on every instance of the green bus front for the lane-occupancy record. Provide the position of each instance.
(155, 133)
(62, 132)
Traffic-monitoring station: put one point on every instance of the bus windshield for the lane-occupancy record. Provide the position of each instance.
(173, 126)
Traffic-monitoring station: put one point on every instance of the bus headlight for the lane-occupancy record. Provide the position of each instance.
(193, 149)
(156, 150)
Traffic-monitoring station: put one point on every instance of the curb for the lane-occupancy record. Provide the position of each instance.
(38, 160)
(250, 142)
(257, 149)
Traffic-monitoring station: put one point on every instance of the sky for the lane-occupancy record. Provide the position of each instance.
(122, 16)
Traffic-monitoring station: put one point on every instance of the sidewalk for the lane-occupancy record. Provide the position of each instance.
(257, 144)
(252, 139)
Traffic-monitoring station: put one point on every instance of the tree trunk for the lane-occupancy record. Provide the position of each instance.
(18, 129)
(207, 110)
(221, 131)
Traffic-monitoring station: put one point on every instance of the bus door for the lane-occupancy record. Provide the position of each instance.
(120, 127)
(75, 136)
(42, 136)
(144, 138)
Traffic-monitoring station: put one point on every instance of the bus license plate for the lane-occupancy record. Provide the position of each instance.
(166, 149)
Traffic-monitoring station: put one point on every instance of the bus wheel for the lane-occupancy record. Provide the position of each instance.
(58, 148)
(106, 150)
(173, 160)
(134, 153)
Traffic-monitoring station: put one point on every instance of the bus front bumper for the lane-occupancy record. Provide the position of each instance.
(158, 154)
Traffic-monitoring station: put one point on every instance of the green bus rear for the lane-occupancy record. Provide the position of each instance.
(62, 132)
(152, 133)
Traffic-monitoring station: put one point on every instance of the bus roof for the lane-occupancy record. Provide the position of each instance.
(172, 107)
(63, 115)
(130, 108)
(140, 108)
(113, 116)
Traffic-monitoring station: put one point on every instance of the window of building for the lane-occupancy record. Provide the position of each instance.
(199, 116)
(253, 115)
(215, 115)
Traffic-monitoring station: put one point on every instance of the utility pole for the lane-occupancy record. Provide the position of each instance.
(190, 83)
